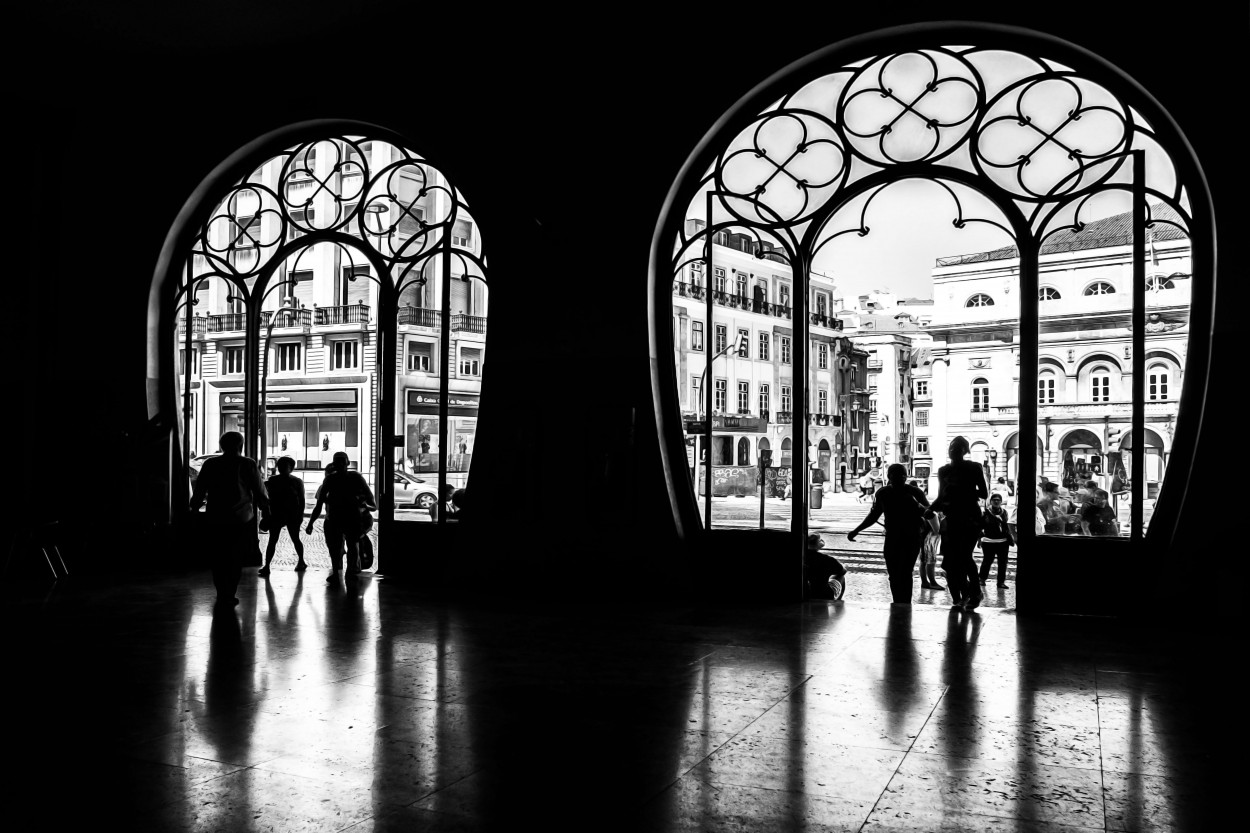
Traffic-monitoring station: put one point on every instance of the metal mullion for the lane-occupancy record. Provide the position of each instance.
(798, 414)
(251, 384)
(1026, 393)
(444, 382)
(709, 354)
(186, 391)
(384, 418)
(1137, 431)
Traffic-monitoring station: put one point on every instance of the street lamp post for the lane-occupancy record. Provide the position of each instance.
(704, 411)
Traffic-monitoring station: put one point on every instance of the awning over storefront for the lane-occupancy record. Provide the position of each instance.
(458, 404)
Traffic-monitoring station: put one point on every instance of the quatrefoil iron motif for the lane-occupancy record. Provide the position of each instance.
(909, 112)
(790, 155)
(1053, 139)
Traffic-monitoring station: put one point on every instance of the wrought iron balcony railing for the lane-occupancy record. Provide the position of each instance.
(468, 323)
(1091, 410)
(419, 317)
(228, 322)
(199, 326)
(287, 319)
(348, 314)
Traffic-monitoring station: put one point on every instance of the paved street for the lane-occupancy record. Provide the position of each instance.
(839, 514)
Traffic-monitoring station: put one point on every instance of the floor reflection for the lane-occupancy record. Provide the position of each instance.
(369, 707)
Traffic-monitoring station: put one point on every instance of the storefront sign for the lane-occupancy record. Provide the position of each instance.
(458, 404)
(299, 399)
(741, 424)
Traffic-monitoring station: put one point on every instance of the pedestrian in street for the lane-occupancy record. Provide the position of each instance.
(1098, 518)
(865, 488)
(232, 486)
(995, 540)
(341, 495)
(823, 574)
(286, 511)
(930, 546)
(1053, 509)
(445, 504)
(903, 507)
(961, 488)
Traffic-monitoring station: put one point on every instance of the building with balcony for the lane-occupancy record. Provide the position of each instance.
(746, 357)
(1085, 353)
(318, 325)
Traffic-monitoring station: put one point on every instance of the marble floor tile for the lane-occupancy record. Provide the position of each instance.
(944, 785)
(694, 805)
(136, 706)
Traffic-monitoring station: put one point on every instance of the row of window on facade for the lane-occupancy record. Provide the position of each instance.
(340, 354)
(1159, 388)
(720, 398)
(763, 347)
(1049, 293)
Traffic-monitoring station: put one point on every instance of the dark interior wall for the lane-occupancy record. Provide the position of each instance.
(563, 132)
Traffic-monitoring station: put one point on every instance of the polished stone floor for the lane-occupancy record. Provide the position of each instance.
(132, 705)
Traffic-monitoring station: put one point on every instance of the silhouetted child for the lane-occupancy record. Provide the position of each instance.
(286, 511)
(825, 576)
(930, 546)
(904, 507)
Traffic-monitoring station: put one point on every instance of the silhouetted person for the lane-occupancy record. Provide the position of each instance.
(444, 504)
(996, 538)
(825, 576)
(903, 507)
(341, 495)
(961, 488)
(460, 500)
(232, 486)
(930, 546)
(286, 511)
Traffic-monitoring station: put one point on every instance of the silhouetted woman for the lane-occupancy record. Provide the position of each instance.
(961, 488)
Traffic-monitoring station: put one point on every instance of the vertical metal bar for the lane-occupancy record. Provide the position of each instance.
(385, 372)
(443, 382)
(1138, 432)
(251, 384)
(186, 391)
(710, 357)
(799, 417)
(1026, 396)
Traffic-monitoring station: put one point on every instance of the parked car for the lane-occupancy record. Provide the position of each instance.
(412, 491)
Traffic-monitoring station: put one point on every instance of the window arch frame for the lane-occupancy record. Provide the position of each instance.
(978, 300)
(166, 298)
(1055, 294)
(979, 395)
(1098, 288)
(920, 36)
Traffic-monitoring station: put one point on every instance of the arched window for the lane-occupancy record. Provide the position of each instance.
(1156, 283)
(1099, 288)
(1046, 388)
(744, 452)
(836, 130)
(336, 282)
(1158, 379)
(1100, 384)
(980, 395)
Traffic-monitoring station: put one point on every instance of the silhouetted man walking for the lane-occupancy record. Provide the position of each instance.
(234, 490)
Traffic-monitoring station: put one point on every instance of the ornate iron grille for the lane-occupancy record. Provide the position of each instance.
(393, 218)
(1039, 143)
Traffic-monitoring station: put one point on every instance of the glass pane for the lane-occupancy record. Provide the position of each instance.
(743, 354)
(918, 345)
